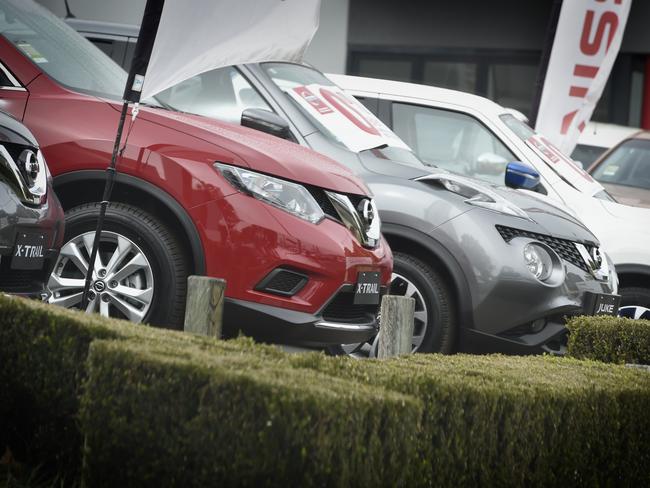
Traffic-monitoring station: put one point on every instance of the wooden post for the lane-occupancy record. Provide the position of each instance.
(204, 307)
(396, 329)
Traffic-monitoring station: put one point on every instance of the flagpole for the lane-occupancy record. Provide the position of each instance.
(108, 189)
(546, 57)
(132, 90)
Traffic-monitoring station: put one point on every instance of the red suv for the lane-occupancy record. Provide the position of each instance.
(291, 231)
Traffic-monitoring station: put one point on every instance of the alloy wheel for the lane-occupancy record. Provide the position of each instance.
(634, 312)
(122, 280)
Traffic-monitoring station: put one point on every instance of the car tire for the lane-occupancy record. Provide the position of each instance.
(159, 264)
(637, 302)
(434, 302)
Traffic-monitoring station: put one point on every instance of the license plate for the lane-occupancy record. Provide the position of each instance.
(601, 303)
(366, 291)
(29, 251)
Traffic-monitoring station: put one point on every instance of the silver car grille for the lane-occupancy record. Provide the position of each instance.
(358, 213)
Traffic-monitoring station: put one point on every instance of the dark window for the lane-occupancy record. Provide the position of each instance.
(369, 103)
(508, 77)
(512, 85)
(586, 155)
(4, 79)
(456, 76)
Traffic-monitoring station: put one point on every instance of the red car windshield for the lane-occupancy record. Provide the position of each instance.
(59, 51)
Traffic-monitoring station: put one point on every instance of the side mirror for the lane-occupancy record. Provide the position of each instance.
(490, 163)
(265, 121)
(520, 175)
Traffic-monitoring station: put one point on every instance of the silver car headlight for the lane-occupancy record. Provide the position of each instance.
(286, 195)
(27, 174)
(612, 278)
(478, 195)
(538, 261)
(36, 172)
(544, 263)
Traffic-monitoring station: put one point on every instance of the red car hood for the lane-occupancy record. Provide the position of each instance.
(262, 152)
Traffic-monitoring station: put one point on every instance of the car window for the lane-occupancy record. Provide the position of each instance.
(585, 154)
(451, 140)
(4, 79)
(221, 94)
(628, 164)
(59, 51)
(113, 48)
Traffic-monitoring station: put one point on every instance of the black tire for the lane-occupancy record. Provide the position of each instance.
(635, 296)
(440, 334)
(167, 260)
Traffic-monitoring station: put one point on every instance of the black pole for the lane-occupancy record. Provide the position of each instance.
(546, 57)
(108, 189)
(134, 83)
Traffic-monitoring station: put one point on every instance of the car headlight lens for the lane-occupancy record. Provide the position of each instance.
(478, 195)
(612, 275)
(538, 261)
(288, 196)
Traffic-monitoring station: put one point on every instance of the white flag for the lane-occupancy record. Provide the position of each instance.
(195, 36)
(587, 40)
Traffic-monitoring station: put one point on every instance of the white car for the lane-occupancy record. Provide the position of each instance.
(476, 137)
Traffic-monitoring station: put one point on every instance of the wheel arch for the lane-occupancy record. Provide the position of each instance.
(633, 275)
(408, 240)
(78, 187)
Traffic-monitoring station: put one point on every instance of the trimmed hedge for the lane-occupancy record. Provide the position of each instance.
(44, 372)
(169, 420)
(165, 408)
(610, 339)
(498, 420)
(43, 353)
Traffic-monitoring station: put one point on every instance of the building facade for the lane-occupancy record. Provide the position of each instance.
(491, 48)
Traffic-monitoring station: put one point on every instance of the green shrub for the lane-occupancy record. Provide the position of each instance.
(496, 420)
(165, 419)
(43, 352)
(163, 408)
(610, 339)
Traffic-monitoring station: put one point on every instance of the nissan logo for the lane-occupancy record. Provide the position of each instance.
(597, 257)
(367, 211)
(99, 286)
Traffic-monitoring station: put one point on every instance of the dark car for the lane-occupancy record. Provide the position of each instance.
(31, 217)
(490, 268)
(281, 224)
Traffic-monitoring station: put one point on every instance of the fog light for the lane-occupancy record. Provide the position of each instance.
(538, 261)
(537, 326)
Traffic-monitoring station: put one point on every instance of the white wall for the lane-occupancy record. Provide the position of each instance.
(329, 48)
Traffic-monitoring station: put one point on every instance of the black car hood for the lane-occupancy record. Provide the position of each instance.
(14, 132)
